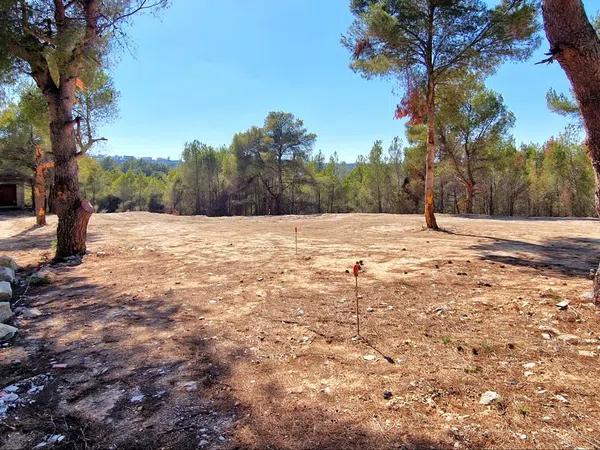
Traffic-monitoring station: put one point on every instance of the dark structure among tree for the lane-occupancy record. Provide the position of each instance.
(13, 185)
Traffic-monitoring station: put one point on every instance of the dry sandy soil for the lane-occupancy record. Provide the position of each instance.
(195, 332)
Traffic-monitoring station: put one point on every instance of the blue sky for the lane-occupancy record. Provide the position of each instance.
(206, 69)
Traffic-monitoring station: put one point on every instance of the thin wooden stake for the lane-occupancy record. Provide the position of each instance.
(296, 235)
(355, 271)
(357, 310)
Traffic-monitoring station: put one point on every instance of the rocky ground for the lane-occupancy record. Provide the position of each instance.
(195, 332)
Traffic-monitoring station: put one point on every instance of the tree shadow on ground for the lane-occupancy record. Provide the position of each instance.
(571, 256)
(27, 241)
(118, 372)
(136, 371)
(10, 214)
(524, 218)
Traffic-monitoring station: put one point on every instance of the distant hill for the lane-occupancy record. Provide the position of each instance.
(122, 159)
(346, 168)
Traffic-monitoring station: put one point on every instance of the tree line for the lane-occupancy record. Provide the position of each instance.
(273, 169)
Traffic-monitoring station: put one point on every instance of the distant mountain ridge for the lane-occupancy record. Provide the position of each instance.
(121, 159)
(344, 167)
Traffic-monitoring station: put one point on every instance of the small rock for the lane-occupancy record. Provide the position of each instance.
(28, 313)
(528, 373)
(561, 398)
(546, 336)
(387, 395)
(369, 357)
(549, 330)
(568, 338)
(586, 353)
(563, 305)
(50, 440)
(7, 332)
(190, 386)
(529, 365)
(7, 274)
(5, 261)
(213, 301)
(40, 278)
(5, 291)
(59, 366)
(5, 311)
(523, 437)
(489, 397)
(259, 279)
(546, 419)
(136, 396)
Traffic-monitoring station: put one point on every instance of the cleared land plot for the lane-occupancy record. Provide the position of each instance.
(180, 332)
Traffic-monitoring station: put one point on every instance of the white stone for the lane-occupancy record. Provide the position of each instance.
(7, 274)
(529, 365)
(587, 353)
(587, 295)
(369, 357)
(28, 313)
(5, 261)
(568, 338)
(561, 398)
(563, 305)
(7, 332)
(5, 311)
(190, 386)
(489, 397)
(5, 291)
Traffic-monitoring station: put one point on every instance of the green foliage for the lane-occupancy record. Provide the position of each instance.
(562, 104)
(433, 39)
(555, 179)
(23, 125)
(472, 123)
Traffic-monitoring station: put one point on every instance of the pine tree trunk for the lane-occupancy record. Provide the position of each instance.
(42, 164)
(575, 45)
(39, 188)
(429, 162)
(72, 209)
(470, 188)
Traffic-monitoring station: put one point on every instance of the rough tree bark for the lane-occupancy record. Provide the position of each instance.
(575, 45)
(470, 190)
(429, 162)
(72, 209)
(42, 164)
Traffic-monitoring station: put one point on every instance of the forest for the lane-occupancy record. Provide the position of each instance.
(274, 169)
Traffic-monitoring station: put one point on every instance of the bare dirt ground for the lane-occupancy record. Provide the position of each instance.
(195, 332)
